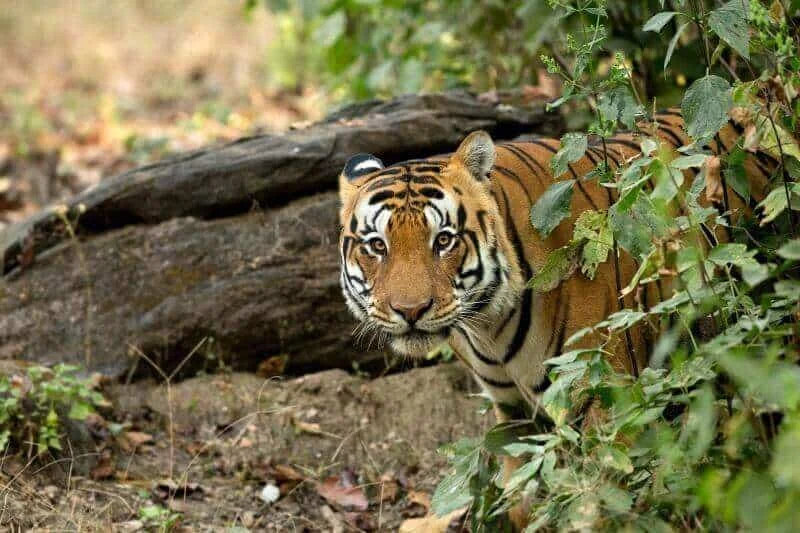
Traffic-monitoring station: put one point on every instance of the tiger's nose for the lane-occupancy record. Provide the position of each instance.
(411, 311)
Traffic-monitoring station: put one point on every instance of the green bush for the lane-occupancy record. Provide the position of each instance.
(364, 48)
(707, 436)
(35, 404)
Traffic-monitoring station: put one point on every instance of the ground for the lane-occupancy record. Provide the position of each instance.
(338, 451)
(89, 89)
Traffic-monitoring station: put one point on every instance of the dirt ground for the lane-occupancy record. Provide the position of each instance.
(90, 89)
(336, 452)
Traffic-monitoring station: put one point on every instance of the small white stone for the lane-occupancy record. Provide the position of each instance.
(270, 493)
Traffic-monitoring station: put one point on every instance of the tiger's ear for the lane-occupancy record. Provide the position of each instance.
(361, 164)
(357, 166)
(477, 153)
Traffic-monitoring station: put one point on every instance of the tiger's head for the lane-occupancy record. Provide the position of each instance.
(423, 245)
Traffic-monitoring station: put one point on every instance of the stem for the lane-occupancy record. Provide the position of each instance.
(615, 251)
(697, 17)
(784, 172)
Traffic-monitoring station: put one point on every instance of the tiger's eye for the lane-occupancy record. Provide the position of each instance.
(443, 240)
(378, 246)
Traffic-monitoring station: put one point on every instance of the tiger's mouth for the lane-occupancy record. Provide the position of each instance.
(417, 343)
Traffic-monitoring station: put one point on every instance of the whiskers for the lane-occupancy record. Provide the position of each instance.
(476, 331)
(368, 332)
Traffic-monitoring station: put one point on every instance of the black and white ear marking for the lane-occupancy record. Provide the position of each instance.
(477, 153)
(361, 164)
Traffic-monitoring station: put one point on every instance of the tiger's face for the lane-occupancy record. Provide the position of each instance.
(419, 245)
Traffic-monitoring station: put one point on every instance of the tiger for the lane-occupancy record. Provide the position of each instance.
(441, 250)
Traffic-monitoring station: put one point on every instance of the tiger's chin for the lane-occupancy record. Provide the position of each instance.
(417, 343)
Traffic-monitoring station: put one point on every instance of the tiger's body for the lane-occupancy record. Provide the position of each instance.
(441, 250)
(456, 248)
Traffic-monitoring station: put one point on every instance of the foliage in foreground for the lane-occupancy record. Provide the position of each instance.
(35, 406)
(707, 436)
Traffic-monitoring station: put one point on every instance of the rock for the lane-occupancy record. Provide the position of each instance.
(269, 493)
(252, 286)
(228, 253)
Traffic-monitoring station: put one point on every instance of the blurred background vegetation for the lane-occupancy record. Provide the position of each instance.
(89, 89)
(366, 48)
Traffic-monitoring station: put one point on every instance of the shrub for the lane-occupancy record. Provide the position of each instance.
(365, 48)
(35, 404)
(706, 437)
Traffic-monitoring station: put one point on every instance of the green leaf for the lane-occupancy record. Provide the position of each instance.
(777, 382)
(735, 173)
(411, 76)
(790, 250)
(729, 253)
(668, 181)
(673, 43)
(618, 104)
(785, 466)
(615, 499)
(452, 493)
(500, 436)
(561, 264)
(80, 411)
(700, 423)
(327, 33)
(552, 207)
(615, 458)
(754, 272)
(556, 399)
(573, 146)
(658, 21)
(522, 474)
(622, 319)
(688, 161)
(593, 226)
(152, 512)
(705, 106)
(775, 203)
(730, 23)
(630, 233)
(381, 76)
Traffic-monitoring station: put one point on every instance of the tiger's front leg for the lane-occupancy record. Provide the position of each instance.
(520, 512)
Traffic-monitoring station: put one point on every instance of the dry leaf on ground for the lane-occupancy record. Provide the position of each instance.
(388, 489)
(341, 491)
(430, 524)
(104, 468)
(420, 498)
(130, 440)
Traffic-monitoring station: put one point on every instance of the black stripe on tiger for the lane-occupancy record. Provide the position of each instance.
(476, 272)
(542, 385)
(379, 197)
(559, 347)
(513, 175)
(524, 323)
(671, 111)
(540, 172)
(553, 150)
(482, 358)
(494, 382)
(676, 139)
